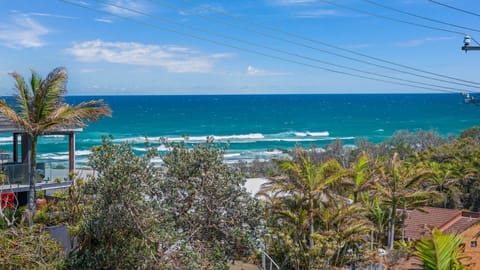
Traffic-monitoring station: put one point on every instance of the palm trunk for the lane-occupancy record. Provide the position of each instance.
(312, 230)
(32, 154)
(404, 214)
(391, 235)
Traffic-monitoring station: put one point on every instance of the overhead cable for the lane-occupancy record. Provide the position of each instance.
(269, 47)
(323, 43)
(249, 50)
(455, 8)
(420, 16)
(277, 37)
(391, 18)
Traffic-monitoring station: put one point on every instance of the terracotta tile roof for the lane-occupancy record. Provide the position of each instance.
(418, 221)
(462, 224)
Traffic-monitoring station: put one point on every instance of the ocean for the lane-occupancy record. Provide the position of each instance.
(259, 126)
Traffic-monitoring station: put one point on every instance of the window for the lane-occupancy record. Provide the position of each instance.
(473, 243)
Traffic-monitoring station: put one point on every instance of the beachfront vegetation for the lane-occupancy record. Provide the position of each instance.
(337, 208)
(40, 108)
(190, 214)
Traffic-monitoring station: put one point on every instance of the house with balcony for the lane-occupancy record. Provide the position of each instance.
(14, 164)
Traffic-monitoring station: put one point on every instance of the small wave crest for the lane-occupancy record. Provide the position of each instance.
(312, 134)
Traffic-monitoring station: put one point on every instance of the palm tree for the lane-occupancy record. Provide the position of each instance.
(360, 178)
(445, 179)
(40, 108)
(306, 187)
(400, 190)
(344, 231)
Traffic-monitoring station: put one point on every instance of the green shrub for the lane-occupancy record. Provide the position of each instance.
(41, 216)
(23, 248)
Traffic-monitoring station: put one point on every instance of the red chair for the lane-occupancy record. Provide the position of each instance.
(7, 200)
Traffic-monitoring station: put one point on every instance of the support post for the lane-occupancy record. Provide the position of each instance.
(15, 147)
(25, 144)
(71, 154)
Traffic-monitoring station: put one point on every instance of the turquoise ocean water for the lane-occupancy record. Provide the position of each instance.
(258, 125)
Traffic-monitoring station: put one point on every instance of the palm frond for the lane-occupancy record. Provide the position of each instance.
(441, 251)
(12, 115)
(23, 96)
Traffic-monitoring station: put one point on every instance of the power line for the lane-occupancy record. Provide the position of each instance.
(278, 50)
(455, 8)
(323, 43)
(246, 49)
(269, 47)
(390, 18)
(276, 37)
(420, 16)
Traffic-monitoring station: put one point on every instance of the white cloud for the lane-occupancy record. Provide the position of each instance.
(103, 20)
(253, 71)
(419, 42)
(317, 13)
(293, 2)
(126, 8)
(90, 70)
(22, 31)
(172, 58)
(202, 9)
(39, 14)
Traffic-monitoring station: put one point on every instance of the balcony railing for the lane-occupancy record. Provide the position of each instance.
(46, 172)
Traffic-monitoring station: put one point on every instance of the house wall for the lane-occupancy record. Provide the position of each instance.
(473, 252)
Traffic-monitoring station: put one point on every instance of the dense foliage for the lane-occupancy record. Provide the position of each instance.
(23, 248)
(339, 206)
(209, 205)
(190, 214)
(121, 225)
(320, 209)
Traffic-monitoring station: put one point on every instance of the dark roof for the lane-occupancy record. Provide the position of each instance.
(419, 222)
(8, 126)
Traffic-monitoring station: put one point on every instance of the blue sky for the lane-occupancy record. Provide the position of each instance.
(121, 47)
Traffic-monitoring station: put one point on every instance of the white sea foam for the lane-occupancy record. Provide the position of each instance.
(6, 139)
(53, 136)
(82, 152)
(220, 138)
(232, 155)
(159, 148)
(52, 156)
(77, 153)
(291, 140)
(312, 134)
(274, 152)
(236, 138)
